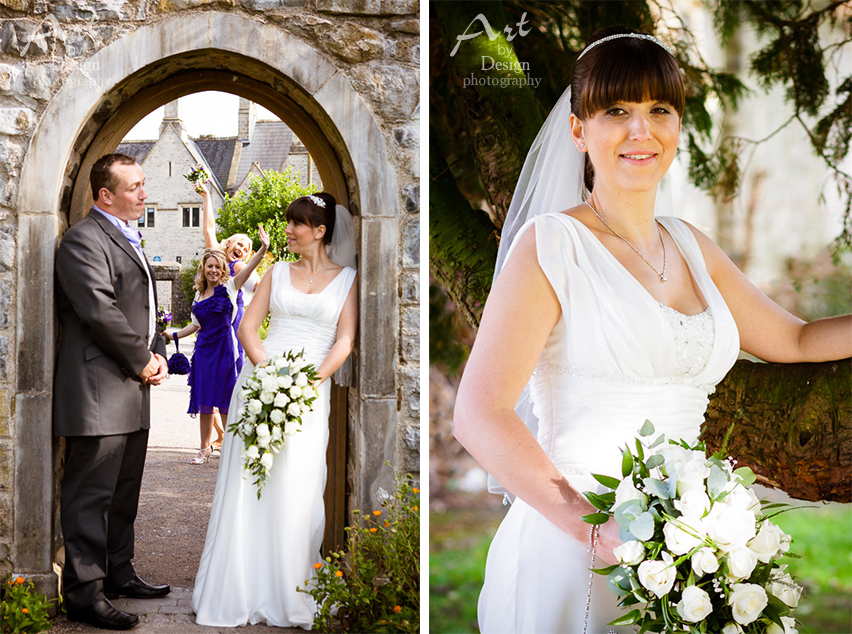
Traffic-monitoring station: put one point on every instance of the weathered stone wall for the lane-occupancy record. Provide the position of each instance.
(47, 52)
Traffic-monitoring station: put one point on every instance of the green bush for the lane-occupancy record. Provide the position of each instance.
(22, 610)
(264, 203)
(375, 585)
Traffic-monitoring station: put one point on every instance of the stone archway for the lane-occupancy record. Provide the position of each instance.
(126, 79)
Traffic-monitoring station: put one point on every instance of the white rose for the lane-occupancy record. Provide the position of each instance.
(269, 384)
(263, 441)
(658, 576)
(301, 379)
(280, 362)
(789, 626)
(308, 391)
(683, 534)
(276, 433)
(741, 563)
(692, 473)
(262, 430)
(297, 365)
(672, 454)
(294, 410)
(630, 553)
(782, 586)
(694, 604)
(261, 373)
(704, 561)
(281, 399)
(266, 460)
(732, 628)
(267, 397)
(255, 407)
(252, 452)
(693, 503)
(305, 408)
(743, 498)
(277, 417)
(290, 428)
(245, 394)
(626, 492)
(285, 381)
(729, 527)
(295, 392)
(747, 602)
(767, 543)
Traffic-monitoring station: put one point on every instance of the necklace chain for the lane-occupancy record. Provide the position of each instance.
(302, 266)
(661, 274)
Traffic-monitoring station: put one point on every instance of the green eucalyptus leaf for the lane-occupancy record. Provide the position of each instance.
(656, 487)
(643, 527)
(746, 475)
(647, 428)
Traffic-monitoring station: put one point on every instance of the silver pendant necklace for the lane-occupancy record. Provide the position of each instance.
(302, 266)
(661, 274)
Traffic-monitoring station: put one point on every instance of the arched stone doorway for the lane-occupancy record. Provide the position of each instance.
(124, 81)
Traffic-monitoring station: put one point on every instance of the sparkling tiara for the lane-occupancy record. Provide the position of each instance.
(319, 202)
(637, 36)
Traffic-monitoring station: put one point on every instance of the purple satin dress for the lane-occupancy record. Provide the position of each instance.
(214, 362)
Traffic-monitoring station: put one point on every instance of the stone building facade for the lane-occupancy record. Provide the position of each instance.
(74, 79)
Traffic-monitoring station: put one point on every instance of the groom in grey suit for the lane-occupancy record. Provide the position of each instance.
(109, 355)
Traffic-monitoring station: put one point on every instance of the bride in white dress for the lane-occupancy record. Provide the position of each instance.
(257, 552)
(609, 316)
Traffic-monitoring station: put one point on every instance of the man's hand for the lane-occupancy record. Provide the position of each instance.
(162, 371)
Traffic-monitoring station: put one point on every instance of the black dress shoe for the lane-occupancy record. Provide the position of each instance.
(105, 615)
(136, 589)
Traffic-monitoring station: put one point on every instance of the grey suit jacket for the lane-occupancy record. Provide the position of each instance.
(102, 304)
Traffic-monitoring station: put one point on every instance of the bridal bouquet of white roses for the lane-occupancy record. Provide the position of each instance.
(699, 553)
(274, 398)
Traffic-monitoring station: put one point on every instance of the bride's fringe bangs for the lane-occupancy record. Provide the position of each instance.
(628, 70)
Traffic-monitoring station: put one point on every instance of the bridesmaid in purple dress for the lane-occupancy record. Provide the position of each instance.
(237, 249)
(214, 362)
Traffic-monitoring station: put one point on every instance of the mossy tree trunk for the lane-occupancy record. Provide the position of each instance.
(792, 424)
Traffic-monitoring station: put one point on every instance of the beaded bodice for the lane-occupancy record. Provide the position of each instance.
(301, 320)
(616, 356)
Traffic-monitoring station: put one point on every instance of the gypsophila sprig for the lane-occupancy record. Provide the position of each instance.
(699, 553)
(274, 398)
(197, 175)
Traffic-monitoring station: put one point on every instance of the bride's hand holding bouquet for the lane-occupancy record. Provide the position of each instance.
(698, 548)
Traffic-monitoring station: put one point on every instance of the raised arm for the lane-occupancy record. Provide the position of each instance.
(768, 331)
(245, 272)
(347, 326)
(208, 222)
(253, 318)
(521, 311)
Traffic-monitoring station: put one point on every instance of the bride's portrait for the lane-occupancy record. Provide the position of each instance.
(613, 317)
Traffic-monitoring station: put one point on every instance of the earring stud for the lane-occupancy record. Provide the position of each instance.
(582, 146)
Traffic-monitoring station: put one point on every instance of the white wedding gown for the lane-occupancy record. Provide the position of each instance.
(615, 358)
(258, 551)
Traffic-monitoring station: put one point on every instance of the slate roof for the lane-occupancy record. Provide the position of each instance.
(137, 149)
(269, 148)
(219, 152)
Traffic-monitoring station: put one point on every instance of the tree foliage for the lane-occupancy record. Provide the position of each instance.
(480, 134)
(265, 202)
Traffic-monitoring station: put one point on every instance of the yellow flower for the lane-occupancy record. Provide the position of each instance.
(383, 621)
(317, 566)
(377, 513)
(397, 608)
(25, 611)
(19, 580)
(339, 573)
(415, 489)
(373, 530)
(416, 508)
(387, 523)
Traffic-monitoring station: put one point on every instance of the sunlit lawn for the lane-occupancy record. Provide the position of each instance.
(459, 542)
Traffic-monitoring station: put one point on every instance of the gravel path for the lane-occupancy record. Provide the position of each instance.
(174, 508)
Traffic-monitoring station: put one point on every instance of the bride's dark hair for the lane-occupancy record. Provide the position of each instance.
(623, 69)
(305, 211)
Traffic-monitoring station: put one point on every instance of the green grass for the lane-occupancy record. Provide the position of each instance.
(822, 536)
(458, 544)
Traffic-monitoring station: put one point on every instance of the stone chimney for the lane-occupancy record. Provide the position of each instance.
(246, 120)
(171, 118)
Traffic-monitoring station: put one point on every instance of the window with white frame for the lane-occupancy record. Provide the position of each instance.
(191, 215)
(148, 218)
